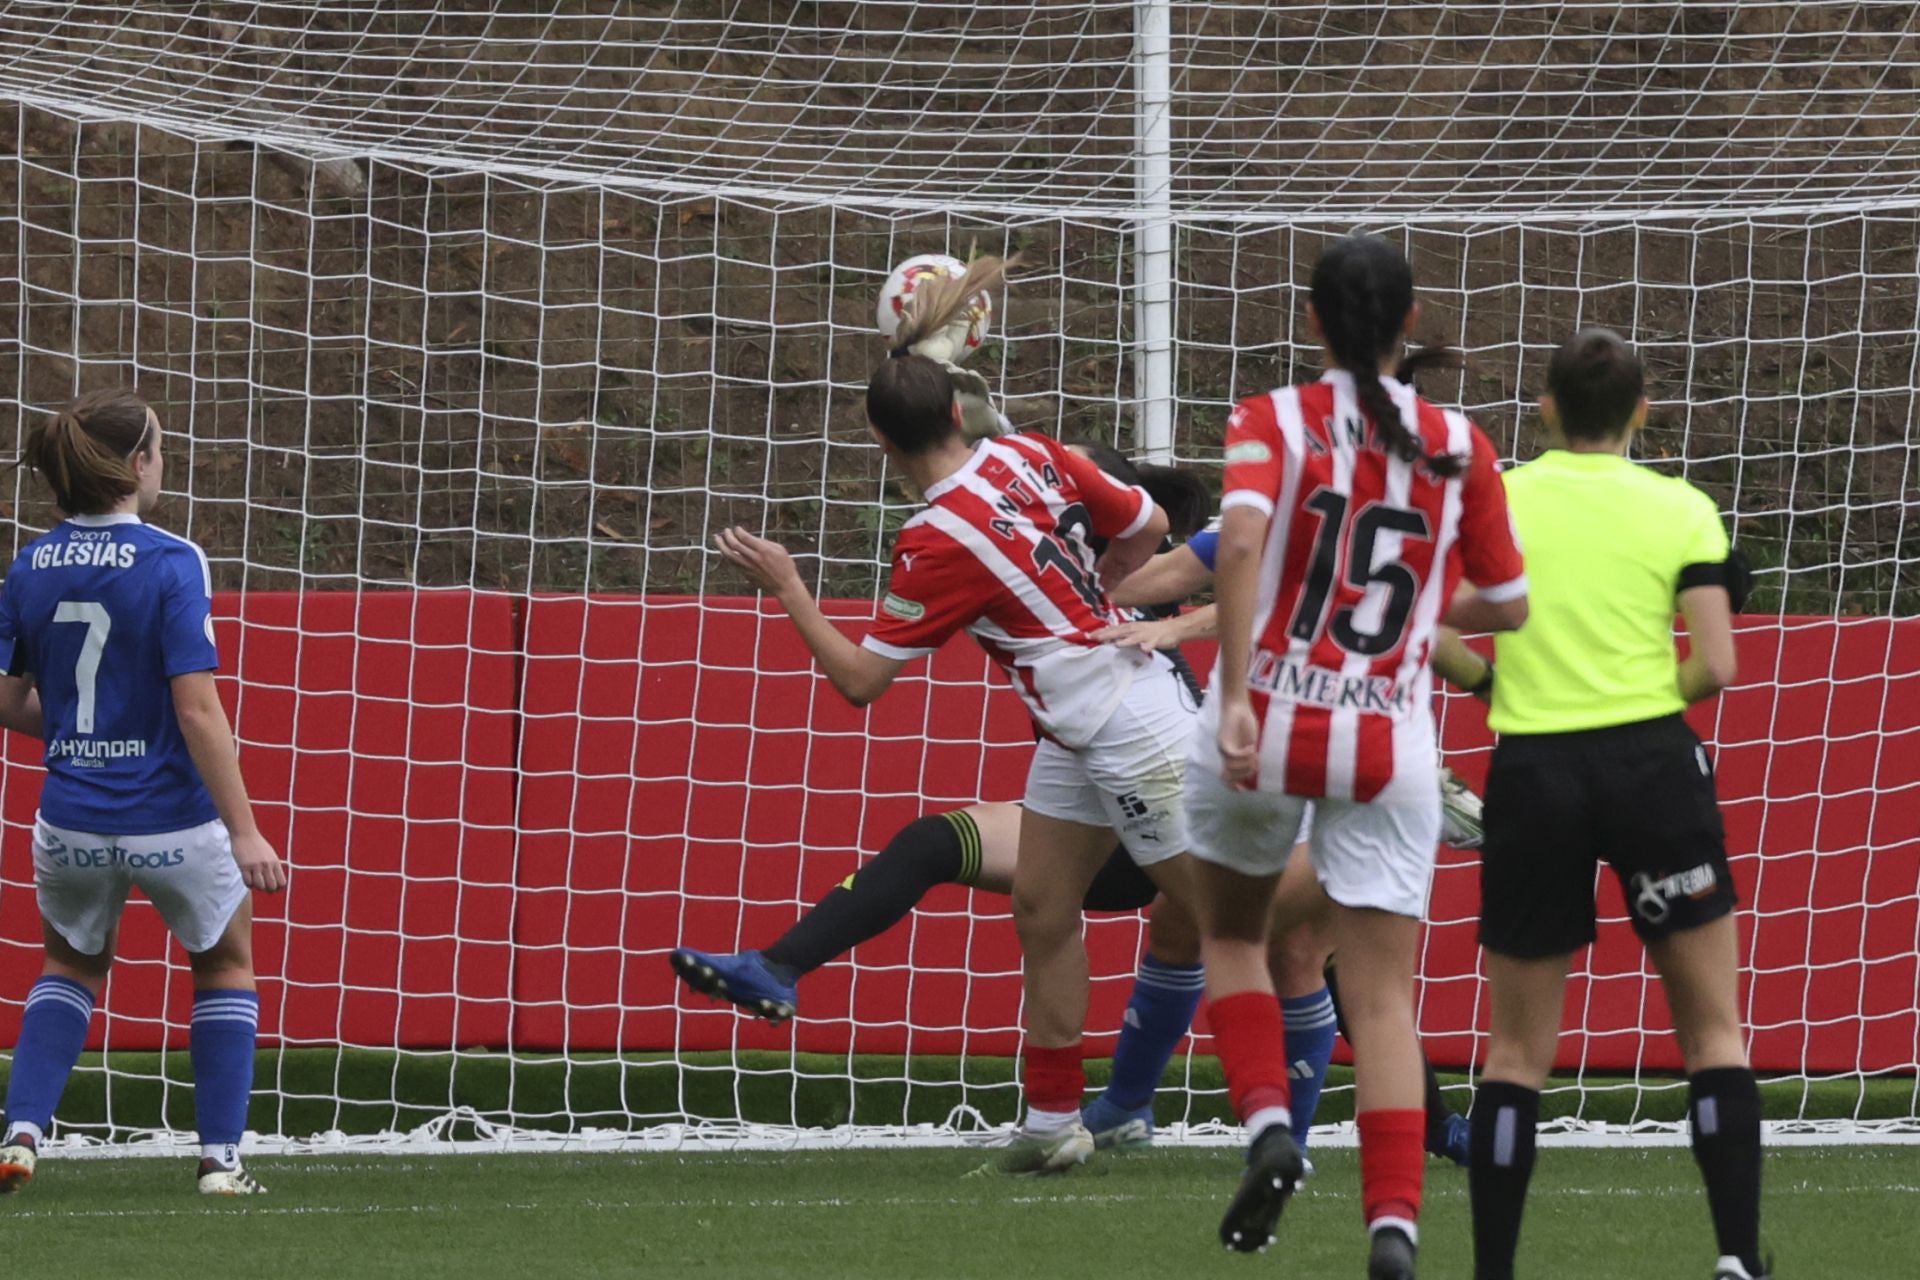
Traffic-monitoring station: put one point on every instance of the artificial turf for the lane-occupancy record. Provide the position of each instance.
(1612, 1214)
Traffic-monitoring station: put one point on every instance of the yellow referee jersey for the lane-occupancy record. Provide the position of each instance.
(1605, 541)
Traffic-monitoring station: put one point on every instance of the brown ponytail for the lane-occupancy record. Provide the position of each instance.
(84, 452)
(938, 300)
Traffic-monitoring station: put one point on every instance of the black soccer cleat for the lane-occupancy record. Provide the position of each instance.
(746, 978)
(1391, 1257)
(1274, 1166)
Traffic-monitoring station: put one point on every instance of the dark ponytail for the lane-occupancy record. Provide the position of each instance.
(85, 451)
(1362, 291)
(1183, 495)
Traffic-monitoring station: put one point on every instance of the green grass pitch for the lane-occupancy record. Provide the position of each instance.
(1831, 1212)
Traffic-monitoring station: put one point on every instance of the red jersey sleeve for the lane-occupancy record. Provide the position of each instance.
(1489, 545)
(1117, 510)
(1256, 457)
(934, 590)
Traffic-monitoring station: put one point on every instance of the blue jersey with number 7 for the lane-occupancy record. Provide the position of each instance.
(103, 612)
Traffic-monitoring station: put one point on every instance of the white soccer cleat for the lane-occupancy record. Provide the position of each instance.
(1048, 1153)
(1460, 822)
(218, 1181)
(17, 1160)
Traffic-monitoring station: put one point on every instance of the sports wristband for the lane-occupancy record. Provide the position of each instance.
(1484, 684)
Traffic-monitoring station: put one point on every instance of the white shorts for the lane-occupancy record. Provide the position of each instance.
(1129, 777)
(1376, 853)
(82, 882)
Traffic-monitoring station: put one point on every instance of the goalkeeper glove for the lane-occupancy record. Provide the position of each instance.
(1460, 822)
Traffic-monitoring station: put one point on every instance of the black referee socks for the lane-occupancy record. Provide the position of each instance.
(1724, 1105)
(1504, 1119)
(935, 850)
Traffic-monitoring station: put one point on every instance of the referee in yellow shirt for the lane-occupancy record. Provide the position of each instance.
(1595, 763)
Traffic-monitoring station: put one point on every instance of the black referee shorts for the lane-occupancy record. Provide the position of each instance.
(1639, 797)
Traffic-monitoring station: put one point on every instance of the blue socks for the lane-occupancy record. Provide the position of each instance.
(1310, 1025)
(225, 1026)
(1165, 997)
(52, 1033)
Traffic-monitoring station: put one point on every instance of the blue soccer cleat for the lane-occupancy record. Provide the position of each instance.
(1115, 1128)
(747, 978)
(1454, 1141)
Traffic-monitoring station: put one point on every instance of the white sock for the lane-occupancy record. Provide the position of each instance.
(1406, 1228)
(1265, 1118)
(224, 1154)
(1044, 1124)
(1729, 1263)
(26, 1129)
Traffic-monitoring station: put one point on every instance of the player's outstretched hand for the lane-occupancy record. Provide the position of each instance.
(1239, 741)
(765, 562)
(260, 866)
(1146, 636)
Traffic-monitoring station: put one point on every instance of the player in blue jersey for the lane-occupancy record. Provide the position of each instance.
(106, 652)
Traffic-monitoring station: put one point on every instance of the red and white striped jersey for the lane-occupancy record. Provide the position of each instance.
(1363, 554)
(1004, 551)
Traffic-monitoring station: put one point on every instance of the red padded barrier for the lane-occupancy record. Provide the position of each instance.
(1834, 731)
(502, 807)
(377, 739)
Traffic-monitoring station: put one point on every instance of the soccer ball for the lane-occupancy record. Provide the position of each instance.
(964, 335)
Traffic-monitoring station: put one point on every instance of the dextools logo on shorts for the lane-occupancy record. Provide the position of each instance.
(62, 854)
(1653, 899)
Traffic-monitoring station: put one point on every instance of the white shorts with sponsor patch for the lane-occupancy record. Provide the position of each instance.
(1129, 777)
(1377, 853)
(82, 882)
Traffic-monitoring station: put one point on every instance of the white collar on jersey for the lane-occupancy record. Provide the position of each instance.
(101, 521)
(967, 468)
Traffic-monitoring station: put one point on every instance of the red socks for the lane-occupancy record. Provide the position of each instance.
(1393, 1161)
(1252, 1042)
(1055, 1079)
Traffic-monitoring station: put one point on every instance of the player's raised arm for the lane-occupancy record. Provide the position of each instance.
(1125, 515)
(859, 673)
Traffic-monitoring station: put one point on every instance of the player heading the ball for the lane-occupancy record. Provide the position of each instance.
(106, 644)
(1352, 511)
(1006, 549)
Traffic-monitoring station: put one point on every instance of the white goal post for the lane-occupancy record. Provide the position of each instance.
(475, 320)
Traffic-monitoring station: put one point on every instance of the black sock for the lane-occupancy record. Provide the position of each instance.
(1504, 1118)
(934, 850)
(1339, 1014)
(1724, 1105)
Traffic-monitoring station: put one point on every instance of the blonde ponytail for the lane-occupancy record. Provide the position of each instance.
(938, 301)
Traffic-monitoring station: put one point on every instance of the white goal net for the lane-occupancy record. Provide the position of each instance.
(475, 320)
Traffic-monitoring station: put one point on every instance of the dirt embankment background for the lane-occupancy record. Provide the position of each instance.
(394, 374)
